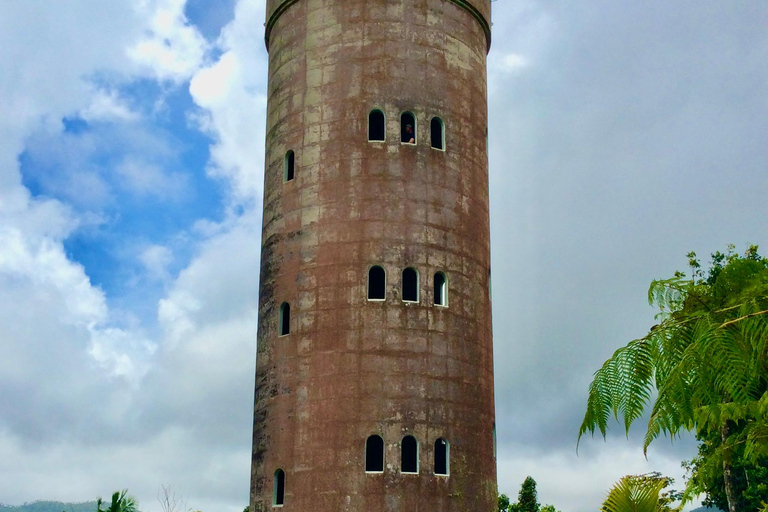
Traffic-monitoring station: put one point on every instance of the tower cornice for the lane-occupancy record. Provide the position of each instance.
(280, 6)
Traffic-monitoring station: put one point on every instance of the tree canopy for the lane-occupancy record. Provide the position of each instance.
(706, 360)
(527, 500)
(705, 474)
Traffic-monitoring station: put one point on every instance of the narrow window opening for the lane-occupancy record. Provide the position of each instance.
(442, 454)
(407, 128)
(289, 171)
(409, 456)
(437, 133)
(376, 283)
(374, 454)
(410, 285)
(278, 489)
(441, 289)
(490, 287)
(376, 126)
(494, 439)
(285, 319)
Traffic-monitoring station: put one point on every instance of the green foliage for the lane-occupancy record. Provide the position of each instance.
(527, 499)
(121, 502)
(750, 479)
(707, 359)
(503, 503)
(639, 493)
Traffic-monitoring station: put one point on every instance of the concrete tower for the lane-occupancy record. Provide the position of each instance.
(374, 373)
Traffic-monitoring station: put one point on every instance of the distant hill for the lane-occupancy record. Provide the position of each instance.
(700, 509)
(51, 506)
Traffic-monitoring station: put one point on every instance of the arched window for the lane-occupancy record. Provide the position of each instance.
(285, 319)
(437, 132)
(442, 455)
(374, 454)
(409, 455)
(377, 281)
(410, 285)
(376, 126)
(278, 489)
(407, 128)
(289, 166)
(441, 289)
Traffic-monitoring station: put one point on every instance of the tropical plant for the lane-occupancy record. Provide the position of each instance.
(707, 359)
(749, 478)
(503, 503)
(121, 502)
(527, 498)
(639, 493)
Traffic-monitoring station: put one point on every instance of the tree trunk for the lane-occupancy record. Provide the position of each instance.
(730, 493)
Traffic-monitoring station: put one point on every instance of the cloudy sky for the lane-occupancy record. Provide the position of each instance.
(623, 134)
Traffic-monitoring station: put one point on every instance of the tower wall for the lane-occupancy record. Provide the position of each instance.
(350, 367)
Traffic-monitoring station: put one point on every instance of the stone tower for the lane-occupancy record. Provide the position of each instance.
(374, 373)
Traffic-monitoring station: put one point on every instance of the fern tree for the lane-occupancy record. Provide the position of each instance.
(707, 361)
(750, 478)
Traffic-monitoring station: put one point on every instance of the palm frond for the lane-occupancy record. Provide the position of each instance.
(635, 494)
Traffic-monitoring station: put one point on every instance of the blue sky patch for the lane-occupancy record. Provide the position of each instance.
(210, 17)
(145, 181)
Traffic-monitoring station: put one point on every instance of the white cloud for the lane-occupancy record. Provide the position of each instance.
(219, 284)
(46, 217)
(76, 380)
(41, 260)
(62, 353)
(107, 106)
(513, 61)
(75, 471)
(121, 353)
(231, 91)
(53, 52)
(211, 86)
(156, 259)
(574, 483)
(172, 49)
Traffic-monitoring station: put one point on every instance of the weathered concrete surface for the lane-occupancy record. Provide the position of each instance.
(350, 367)
(479, 9)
